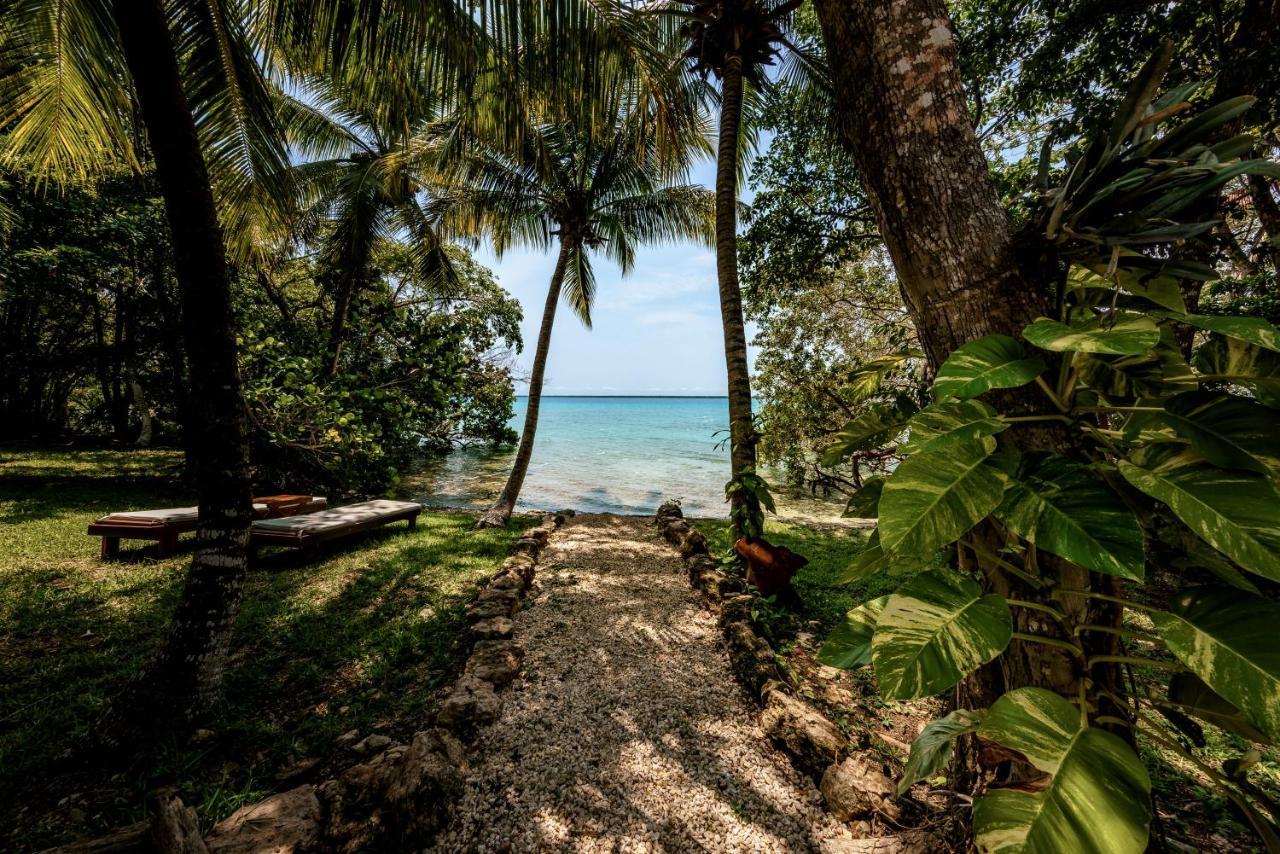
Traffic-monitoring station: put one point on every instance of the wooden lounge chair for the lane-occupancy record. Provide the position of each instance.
(165, 525)
(312, 528)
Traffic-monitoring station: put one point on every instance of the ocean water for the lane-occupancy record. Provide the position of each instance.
(610, 454)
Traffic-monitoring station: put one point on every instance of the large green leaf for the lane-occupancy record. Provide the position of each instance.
(878, 425)
(1128, 336)
(1252, 330)
(996, 361)
(1236, 512)
(1189, 694)
(871, 560)
(932, 748)
(935, 630)
(1160, 288)
(1227, 430)
(1096, 800)
(932, 427)
(1064, 508)
(1235, 361)
(1228, 639)
(935, 496)
(864, 503)
(849, 644)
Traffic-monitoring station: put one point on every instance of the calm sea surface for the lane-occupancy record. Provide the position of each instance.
(610, 454)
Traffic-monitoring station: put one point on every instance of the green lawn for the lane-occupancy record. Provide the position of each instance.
(358, 638)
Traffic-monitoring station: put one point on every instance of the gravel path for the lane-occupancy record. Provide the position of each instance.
(627, 731)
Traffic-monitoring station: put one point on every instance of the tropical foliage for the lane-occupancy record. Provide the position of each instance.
(1170, 470)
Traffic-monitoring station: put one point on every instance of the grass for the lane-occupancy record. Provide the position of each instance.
(359, 638)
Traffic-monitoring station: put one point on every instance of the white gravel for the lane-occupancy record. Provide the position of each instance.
(627, 731)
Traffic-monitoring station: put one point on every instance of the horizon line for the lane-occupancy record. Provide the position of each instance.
(670, 394)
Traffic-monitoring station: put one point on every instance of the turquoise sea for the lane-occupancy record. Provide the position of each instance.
(609, 454)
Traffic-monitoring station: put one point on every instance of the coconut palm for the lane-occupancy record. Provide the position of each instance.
(583, 192)
(734, 40)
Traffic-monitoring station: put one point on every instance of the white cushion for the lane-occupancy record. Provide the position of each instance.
(166, 517)
(338, 517)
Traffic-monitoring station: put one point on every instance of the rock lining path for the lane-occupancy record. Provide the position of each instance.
(627, 731)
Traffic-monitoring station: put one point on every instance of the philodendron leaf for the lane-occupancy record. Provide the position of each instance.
(1252, 330)
(935, 630)
(996, 361)
(932, 748)
(1228, 431)
(864, 503)
(878, 425)
(1188, 693)
(935, 496)
(1097, 797)
(934, 426)
(1127, 336)
(849, 644)
(1235, 361)
(1236, 512)
(1064, 508)
(871, 560)
(1228, 639)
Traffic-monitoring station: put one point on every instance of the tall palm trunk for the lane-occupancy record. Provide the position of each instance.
(898, 87)
(500, 512)
(742, 437)
(186, 676)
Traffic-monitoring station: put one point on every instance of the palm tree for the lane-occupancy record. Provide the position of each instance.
(734, 40)
(584, 192)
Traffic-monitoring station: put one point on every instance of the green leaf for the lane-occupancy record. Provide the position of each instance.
(878, 425)
(1251, 330)
(932, 748)
(996, 361)
(1235, 361)
(1128, 336)
(1227, 430)
(868, 563)
(863, 504)
(849, 644)
(932, 427)
(935, 630)
(935, 496)
(1064, 508)
(1188, 693)
(1097, 798)
(1236, 512)
(1228, 639)
(1160, 288)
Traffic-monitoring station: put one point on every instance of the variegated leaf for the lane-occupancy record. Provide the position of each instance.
(932, 427)
(931, 750)
(1235, 361)
(1228, 639)
(996, 361)
(878, 425)
(849, 644)
(1236, 512)
(935, 630)
(935, 496)
(1228, 431)
(864, 503)
(1097, 797)
(1189, 694)
(1064, 508)
(1128, 336)
(1251, 330)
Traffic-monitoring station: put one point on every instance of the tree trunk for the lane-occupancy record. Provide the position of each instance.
(742, 434)
(185, 678)
(1268, 211)
(905, 120)
(342, 299)
(500, 512)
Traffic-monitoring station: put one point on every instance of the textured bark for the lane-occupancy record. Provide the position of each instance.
(500, 512)
(185, 679)
(906, 123)
(1268, 211)
(742, 436)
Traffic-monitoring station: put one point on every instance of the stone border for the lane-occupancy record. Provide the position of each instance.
(852, 787)
(399, 796)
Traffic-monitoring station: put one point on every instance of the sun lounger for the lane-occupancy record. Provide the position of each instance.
(312, 528)
(165, 525)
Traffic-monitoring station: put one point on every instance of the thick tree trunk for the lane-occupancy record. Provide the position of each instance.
(905, 120)
(1268, 211)
(185, 679)
(342, 299)
(500, 512)
(742, 434)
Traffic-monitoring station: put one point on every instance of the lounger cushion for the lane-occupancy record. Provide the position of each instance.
(338, 517)
(165, 517)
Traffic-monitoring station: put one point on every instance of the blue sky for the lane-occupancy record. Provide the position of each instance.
(657, 331)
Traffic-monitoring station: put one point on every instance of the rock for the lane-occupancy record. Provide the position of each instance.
(813, 741)
(508, 599)
(495, 661)
(539, 534)
(669, 509)
(751, 656)
(694, 543)
(422, 788)
(348, 737)
(856, 788)
(175, 829)
(472, 703)
(371, 744)
(507, 581)
(568, 513)
(528, 546)
(494, 628)
(296, 770)
(675, 531)
(479, 611)
(201, 736)
(282, 824)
